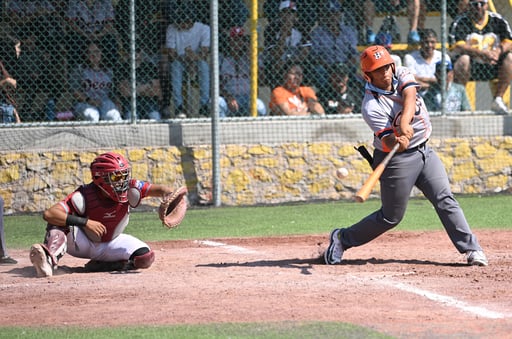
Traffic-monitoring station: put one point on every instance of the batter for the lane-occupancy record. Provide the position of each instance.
(89, 222)
(397, 114)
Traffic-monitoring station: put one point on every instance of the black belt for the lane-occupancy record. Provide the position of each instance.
(414, 149)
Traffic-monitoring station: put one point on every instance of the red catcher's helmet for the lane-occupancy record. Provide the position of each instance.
(375, 57)
(111, 172)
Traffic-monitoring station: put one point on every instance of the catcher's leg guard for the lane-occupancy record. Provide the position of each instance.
(55, 243)
(142, 258)
(41, 261)
(45, 257)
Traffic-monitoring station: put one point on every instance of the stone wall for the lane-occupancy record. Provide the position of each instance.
(250, 174)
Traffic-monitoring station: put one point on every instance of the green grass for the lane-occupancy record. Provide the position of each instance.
(290, 219)
(281, 330)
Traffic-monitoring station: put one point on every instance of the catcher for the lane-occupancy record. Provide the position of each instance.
(89, 222)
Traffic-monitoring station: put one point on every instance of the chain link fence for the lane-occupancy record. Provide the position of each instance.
(82, 76)
(76, 56)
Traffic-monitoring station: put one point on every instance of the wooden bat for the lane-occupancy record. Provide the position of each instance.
(365, 191)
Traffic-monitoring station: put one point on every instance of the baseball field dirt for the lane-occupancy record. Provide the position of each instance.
(405, 284)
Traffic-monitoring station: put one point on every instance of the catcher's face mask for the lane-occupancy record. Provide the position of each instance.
(112, 173)
(119, 180)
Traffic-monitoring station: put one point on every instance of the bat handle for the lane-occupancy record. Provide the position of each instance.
(390, 154)
(364, 192)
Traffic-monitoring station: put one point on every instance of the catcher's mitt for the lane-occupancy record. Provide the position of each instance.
(173, 208)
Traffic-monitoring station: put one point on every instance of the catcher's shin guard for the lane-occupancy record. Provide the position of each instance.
(142, 258)
(55, 243)
(44, 257)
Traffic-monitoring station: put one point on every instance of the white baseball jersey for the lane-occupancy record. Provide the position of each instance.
(382, 110)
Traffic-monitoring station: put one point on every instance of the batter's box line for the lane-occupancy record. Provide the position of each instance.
(230, 248)
(439, 298)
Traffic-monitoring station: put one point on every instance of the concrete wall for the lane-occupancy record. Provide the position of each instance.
(294, 160)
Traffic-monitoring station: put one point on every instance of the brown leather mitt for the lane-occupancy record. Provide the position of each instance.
(173, 208)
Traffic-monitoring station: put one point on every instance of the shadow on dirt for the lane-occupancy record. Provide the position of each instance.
(306, 264)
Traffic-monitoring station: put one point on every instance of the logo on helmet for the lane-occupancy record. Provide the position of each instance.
(377, 55)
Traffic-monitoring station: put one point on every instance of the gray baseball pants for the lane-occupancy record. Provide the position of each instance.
(420, 167)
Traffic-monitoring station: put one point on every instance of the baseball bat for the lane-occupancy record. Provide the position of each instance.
(365, 191)
(364, 152)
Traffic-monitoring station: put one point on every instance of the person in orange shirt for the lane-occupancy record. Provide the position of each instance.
(293, 99)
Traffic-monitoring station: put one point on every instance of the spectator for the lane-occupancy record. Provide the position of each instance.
(92, 20)
(10, 52)
(92, 84)
(283, 43)
(456, 98)
(415, 12)
(333, 42)
(5, 259)
(343, 95)
(235, 77)
(232, 13)
(422, 62)
(39, 18)
(293, 99)
(188, 47)
(43, 68)
(481, 42)
(164, 19)
(147, 88)
(147, 20)
(307, 12)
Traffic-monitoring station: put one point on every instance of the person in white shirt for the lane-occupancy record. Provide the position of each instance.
(188, 46)
(422, 62)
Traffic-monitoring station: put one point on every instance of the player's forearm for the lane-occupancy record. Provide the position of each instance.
(157, 190)
(316, 108)
(409, 107)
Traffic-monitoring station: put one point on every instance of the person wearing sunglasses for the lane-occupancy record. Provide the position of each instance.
(481, 42)
(89, 223)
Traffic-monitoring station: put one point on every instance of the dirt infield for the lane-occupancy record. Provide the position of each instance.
(410, 284)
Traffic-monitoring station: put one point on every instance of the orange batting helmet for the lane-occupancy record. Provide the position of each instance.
(375, 57)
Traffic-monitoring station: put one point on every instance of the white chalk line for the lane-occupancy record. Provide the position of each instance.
(439, 298)
(443, 299)
(231, 248)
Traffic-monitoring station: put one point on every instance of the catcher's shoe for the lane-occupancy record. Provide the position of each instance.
(334, 251)
(41, 262)
(476, 258)
(107, 266)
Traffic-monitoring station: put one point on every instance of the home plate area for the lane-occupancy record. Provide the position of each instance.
(403, 284)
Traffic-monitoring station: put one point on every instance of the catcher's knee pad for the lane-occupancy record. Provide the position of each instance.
(55, 243)
(143, 258)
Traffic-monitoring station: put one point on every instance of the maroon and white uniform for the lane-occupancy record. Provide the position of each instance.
(90, 202)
